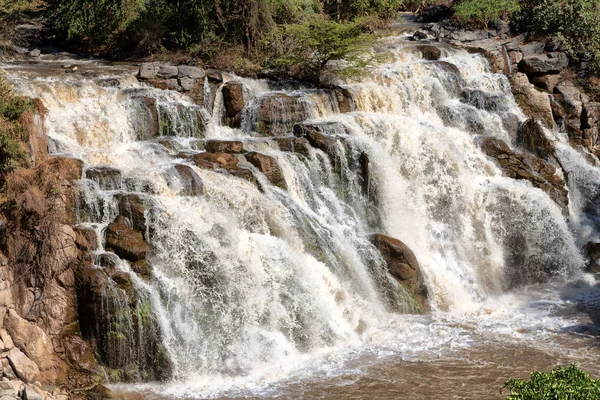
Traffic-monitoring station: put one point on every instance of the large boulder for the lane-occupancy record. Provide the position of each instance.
(401, 261)
(107, 178)
(131, 207)
(294, 145)
(126, 242)
(191, 72)
(534, 103)
(24, 368)
(531, 137)
(541, 64)
(269, 167)
(233, 97)
(524, 166)
(278, 113)
(208, 160)
(429, 52)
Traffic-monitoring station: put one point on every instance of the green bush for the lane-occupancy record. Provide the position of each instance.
(11, 132)
(562, 383)
(308, 47)
(575, 22)
(483, 11)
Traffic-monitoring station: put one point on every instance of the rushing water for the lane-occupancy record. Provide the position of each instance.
(279, 293)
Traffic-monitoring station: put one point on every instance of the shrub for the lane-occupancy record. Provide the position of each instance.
(310, 46)
(483, 11)
(575, 22)
(12, 133)
(562, 383)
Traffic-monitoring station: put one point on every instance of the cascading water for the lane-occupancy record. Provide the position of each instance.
(253, 282)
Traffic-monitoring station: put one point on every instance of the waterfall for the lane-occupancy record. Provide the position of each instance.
(253, 282)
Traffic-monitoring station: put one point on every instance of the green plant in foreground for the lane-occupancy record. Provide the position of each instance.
(562, 383)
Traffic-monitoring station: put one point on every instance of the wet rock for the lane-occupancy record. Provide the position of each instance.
(592, 253)
(131, 207)
(243, 173)
(187, 71)
(12, 389)
(142, 268)
(430, 53)
(401, 261)
(531, 137)
(278, 113)
(192, 184)
(546, 82)
(484, 100)
(172, 84)
(35, 53)
(78, 353)
(25, 369)
(233, 97)
(294, 145)
(420, 35)
(107, 178)
(344, 99)
(224, 146)
(186, 84)
(33, 393)
(209, 160)
(544, 63)
(269, 167)
(528, 167)
(321, 136)
(122, 279)
(534, 103)
(214, 76)
(170, 143)
(126, 242)
(86, 238)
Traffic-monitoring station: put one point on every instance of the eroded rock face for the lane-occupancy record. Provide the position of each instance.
(528, 167)
(224, 146)
(534, 103)
(278, 113)
(429, 52)
(126, 242)
(531, 137)
(192, 184)
(132, 208)
(269, 167)
(108, 178)
(233, 97)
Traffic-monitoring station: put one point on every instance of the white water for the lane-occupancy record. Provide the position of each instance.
(254, 288)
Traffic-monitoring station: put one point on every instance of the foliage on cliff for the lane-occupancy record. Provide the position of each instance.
(12, 133)
(560, 383)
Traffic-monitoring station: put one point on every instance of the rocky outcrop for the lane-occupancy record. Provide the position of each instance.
(192, 184)
(528, 167)
(269, 167)
(224, 146)
(531, 137)
(293, 145)
(534, 103)
(224, 163)
(124, 241)
(132, 207)
(542, 64)
(107, 178)
(233, 97)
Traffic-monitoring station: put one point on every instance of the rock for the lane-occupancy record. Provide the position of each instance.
(25, 369)
(167, 72)
(592, 253)
(224, 146)
(67, 168)
(544, 63)
(344, 99)
(131, 207)
(86, 239)
(243, 173)
(528, 167)
(269, 167)
(401, 261)
(190, 72)
(122, 279)
(532, 49)
(142, 268)
(534, 103)
(192, 184)
(546, 82)
(322, 136)
(294, 145)
(233, 97)
(13, 389)
(429, 52)
(148, 71)
(7, 341)
(210, 160)
(532, 138)
(187, 84)
(214, 76)
(33, 393)
(7, 370)
(126, 242)
(35, 53)
(107, 178)
(79, 353)
(172, 84)
(279, 112)
(419, 35)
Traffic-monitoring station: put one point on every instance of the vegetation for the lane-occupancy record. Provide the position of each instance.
(12, 133)
(562, 383)
(484, 11)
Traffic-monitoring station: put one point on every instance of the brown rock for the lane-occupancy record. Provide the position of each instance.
(528, 167)
(142, 268)
(210, 160)
(108, 178)
(531, 137)
(192, 184)
(132, 208)
(279, 112)
(294, 145)
(534, 103)
(224, 146)
(233, 96)
(401, 261)
(429, 52)
(269, 167)
(24, 368)
(126, 242)
(86, 239)
(79, 354)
